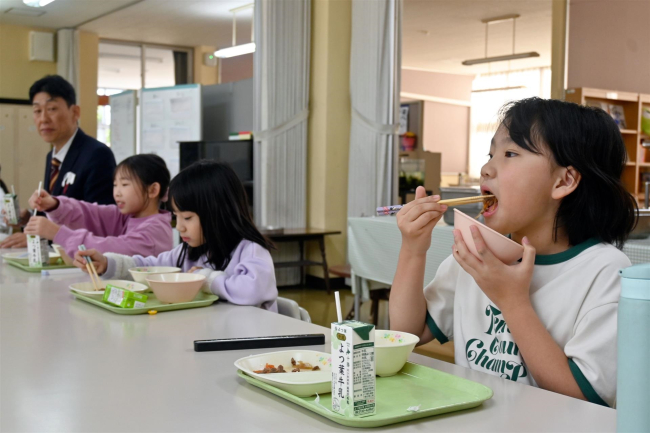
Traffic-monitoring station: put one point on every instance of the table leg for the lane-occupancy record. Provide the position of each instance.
(326, 273)
(301, 245)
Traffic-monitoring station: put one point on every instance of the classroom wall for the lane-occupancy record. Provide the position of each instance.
(236, 68)
(445, 124)
(88, 75)
(17, 73)
(609, 45)
(329, 126)
(205, 75)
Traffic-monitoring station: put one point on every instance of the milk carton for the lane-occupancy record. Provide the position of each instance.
(123, 298)
(12, 211)
(38, 251)
(353, 368)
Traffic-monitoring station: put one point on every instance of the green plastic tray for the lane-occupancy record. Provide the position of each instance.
(201, 300)
(434, 391)
(25, 266)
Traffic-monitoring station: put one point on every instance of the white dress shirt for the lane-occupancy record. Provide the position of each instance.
(60, 155)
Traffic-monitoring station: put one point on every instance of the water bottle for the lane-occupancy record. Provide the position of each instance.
(633, 379)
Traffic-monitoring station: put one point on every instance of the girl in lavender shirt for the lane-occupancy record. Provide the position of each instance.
(134, 225)
(219, 237)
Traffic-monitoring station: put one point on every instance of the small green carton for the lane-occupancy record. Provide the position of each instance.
(123, 298)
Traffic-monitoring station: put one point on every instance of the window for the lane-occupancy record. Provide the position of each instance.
(489, 93)
(121, 68)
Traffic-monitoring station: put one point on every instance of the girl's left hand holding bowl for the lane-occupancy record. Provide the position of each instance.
(99, 260)
(508, 286)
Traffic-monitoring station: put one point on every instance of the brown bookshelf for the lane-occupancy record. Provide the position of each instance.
(632, 104)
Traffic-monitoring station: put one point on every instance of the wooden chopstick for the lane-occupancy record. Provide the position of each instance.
(464, 200)
(93, 274)
(97, 284)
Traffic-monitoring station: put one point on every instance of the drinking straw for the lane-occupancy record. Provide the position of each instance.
(40, 185)
(338, 307)
(13, 191)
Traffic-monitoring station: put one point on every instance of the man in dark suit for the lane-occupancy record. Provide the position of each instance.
(78, 166)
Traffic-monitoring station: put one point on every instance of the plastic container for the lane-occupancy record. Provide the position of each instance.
(633, 377)
(458, 192)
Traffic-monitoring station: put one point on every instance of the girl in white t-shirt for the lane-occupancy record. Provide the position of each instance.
(550, 320)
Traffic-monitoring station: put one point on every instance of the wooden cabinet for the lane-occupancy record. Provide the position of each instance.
(22, 151)
(638, 162)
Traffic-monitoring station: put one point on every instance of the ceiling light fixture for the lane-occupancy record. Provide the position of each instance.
(37, 3)
(237, 50)
(28, 12)
(512, 56)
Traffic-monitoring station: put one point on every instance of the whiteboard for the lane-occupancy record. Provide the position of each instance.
(123, 125)
(169, 115)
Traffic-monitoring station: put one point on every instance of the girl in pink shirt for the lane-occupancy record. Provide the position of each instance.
(134, 225)
(220, 239)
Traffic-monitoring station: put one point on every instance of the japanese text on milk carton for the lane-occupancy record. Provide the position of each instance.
(353, 368)
(38, 251)
(12, 211)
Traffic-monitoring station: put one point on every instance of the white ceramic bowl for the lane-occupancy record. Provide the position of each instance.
(87, 287)
(301, 384)
(175, 288)
(392, 350)
(141, 273)
(505, 249)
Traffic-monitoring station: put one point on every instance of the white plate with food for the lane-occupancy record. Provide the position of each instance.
(300, 372)
(87, 287)
(23, 257)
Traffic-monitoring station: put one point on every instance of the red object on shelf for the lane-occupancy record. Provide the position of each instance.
(409, 141)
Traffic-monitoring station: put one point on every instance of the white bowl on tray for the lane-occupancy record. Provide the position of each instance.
(87, 288)
(303, 384)
(175, 288)
(141, 273)
(392, 350)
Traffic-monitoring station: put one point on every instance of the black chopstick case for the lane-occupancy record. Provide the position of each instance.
(258, 342)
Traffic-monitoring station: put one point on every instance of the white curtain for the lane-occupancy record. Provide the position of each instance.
(281, 88)
(67, 64)
(281, 82)
(375, 63)
(489, 93)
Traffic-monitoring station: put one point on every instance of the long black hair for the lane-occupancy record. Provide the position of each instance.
(589, 140)
(213, 191)
(145, 170)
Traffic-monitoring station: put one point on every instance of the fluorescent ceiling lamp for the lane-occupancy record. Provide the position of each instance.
(237, 50)
(497, 89)
(501, 58)
(37, 3)
(26, 12)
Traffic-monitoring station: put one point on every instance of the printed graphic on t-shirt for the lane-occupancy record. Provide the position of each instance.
(496, 350)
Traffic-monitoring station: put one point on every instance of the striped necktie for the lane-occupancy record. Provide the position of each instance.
(54, 173)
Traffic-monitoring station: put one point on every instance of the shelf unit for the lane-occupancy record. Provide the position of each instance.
(638, 162)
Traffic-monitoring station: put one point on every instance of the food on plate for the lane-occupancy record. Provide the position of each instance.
(297, 367)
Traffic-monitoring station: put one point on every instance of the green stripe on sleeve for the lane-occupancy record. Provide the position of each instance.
(437, 333)
(584, 385)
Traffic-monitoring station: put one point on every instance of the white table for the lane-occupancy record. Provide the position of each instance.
(374, 244)
(69, 366)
